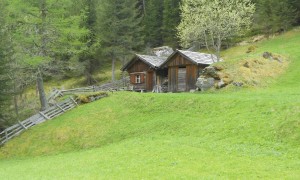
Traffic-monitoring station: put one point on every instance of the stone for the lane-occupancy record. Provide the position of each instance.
(247, 65)
(220, 84)
(192, 90)
(238, 84)
(163, 51)
(267, 55)
(218, 68)
(210, 71)
(204, 83)
(258, 38)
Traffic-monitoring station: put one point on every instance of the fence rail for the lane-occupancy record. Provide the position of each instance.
(116, 85)
(57, 108)
(42, 116)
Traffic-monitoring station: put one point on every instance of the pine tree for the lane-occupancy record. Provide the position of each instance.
(47, 36)
(275, 15)
(89, 57)
(153, 22)
(171, 19)
(5, 83)
(119, 29)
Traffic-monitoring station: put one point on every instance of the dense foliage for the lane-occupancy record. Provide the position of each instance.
(203, 22)
(4, 78)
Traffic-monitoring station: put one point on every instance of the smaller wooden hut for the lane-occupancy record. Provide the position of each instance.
(145, 72)
(184, 68)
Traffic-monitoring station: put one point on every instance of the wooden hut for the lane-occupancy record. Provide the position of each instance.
(145, 72)
(184, 68)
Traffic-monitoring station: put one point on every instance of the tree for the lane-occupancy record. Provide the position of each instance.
(46, 36)
(153, 22)
(171, 19)
(5, 87)
(89, 56)
(275, 15)
(213, 21)
(119, 29)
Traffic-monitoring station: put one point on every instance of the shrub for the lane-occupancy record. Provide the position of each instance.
(89, 97)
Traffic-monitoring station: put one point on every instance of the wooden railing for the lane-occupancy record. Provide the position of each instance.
(113, 86)
(57, 109)
(38, 118)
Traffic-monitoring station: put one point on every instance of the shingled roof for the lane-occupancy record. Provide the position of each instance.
(199, 58)
(155, 61)
(152, 61)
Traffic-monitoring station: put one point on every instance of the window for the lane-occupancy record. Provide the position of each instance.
(138, 79)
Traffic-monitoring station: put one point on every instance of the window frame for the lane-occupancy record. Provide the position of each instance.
(138, 79)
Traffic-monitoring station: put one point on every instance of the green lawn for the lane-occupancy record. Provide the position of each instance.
(251, 133)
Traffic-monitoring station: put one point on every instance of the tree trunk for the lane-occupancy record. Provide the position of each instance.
(88, 73)
(43, 9)
(218, 48)
(144, 7)
(16, 101)
(113, 68)
(42, 95)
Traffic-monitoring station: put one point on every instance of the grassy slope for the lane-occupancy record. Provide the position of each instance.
(252, 133)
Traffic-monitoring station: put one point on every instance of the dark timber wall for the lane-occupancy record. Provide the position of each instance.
(146, 73)
(183, 73)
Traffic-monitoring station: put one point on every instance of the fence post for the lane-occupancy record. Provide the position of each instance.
(74, 101)
(6, 136)
(22, 125)
(46, 117)
(60, 107)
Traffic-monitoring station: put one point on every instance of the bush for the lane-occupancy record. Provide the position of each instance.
(90, 97)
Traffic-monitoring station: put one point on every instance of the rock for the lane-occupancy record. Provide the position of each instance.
(192, 90)
(267, 55)
(238, 84)
(210, 71)
(163, 51)
(204, 83)
(218, 67)
(227, 80)
(251, 49)
(258, 38)
(277, 58)
(270, 56)
(247, 65)
(221, 84)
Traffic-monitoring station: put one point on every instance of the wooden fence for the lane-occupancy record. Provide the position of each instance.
(113, 86)
(58, 108)
(42, 116)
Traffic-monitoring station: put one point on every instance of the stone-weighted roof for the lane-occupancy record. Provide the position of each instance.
(199, 58)
(154, 61)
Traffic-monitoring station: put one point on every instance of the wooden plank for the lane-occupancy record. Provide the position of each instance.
(74, 101)
(191, 77)
(12, 127)
(181, 79)
(56, 114)
(22, 125)
(172, 83)
(44, 115)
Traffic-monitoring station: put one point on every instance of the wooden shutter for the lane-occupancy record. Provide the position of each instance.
(132, 79)
(142, 78)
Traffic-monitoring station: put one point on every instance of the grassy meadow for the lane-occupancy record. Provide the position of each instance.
(235, 133)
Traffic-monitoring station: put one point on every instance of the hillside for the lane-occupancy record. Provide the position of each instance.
(234, 133)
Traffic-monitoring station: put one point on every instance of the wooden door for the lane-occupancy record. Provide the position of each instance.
(150, 81)
(181, 79)
(172, 74)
